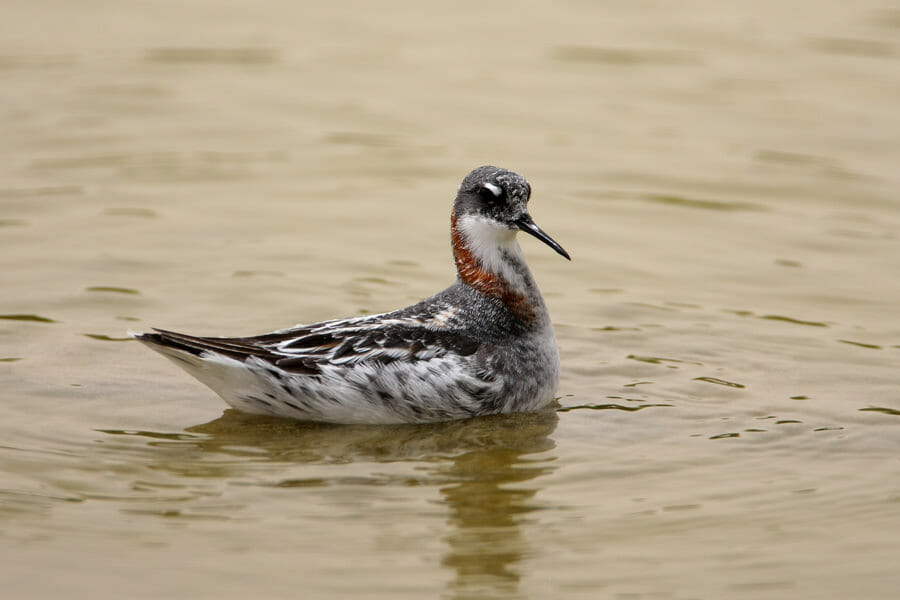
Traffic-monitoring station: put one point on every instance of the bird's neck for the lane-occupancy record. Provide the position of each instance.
(488, 258)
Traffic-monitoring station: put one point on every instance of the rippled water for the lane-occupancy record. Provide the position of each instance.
(725, 176)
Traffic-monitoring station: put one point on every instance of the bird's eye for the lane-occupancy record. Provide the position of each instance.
(490, 191)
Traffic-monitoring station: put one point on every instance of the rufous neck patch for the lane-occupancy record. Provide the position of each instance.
(472, 273)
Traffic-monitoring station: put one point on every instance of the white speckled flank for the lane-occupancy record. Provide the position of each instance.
(484, 345)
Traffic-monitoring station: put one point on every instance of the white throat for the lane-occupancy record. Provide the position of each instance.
(494, 246)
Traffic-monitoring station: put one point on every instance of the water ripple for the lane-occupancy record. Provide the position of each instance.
(112, 289)
(224, 56)
(30, 318)
(718, 381)
(610, 407)
(624, 56)
(881, 409)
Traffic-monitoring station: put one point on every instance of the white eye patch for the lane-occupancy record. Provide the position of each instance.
(493, 189)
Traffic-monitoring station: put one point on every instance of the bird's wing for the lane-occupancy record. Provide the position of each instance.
(305, 349)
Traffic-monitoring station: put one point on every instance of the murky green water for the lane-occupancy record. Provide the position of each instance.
(725, 175)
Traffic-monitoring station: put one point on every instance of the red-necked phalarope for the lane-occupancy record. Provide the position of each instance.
(485, 345)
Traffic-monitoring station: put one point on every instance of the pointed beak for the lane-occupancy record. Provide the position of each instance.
(528, 226)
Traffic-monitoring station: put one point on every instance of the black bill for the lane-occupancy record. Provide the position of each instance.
(528, 226)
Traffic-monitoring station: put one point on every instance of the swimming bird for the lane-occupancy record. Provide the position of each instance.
(485, 345)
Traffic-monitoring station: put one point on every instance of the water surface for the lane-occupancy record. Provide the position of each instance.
(724, 175)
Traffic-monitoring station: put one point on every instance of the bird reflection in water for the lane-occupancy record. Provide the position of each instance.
(481, 466)
(488, 498)
(481, 470)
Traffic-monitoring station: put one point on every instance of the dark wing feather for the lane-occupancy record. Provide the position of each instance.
(305, 349)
